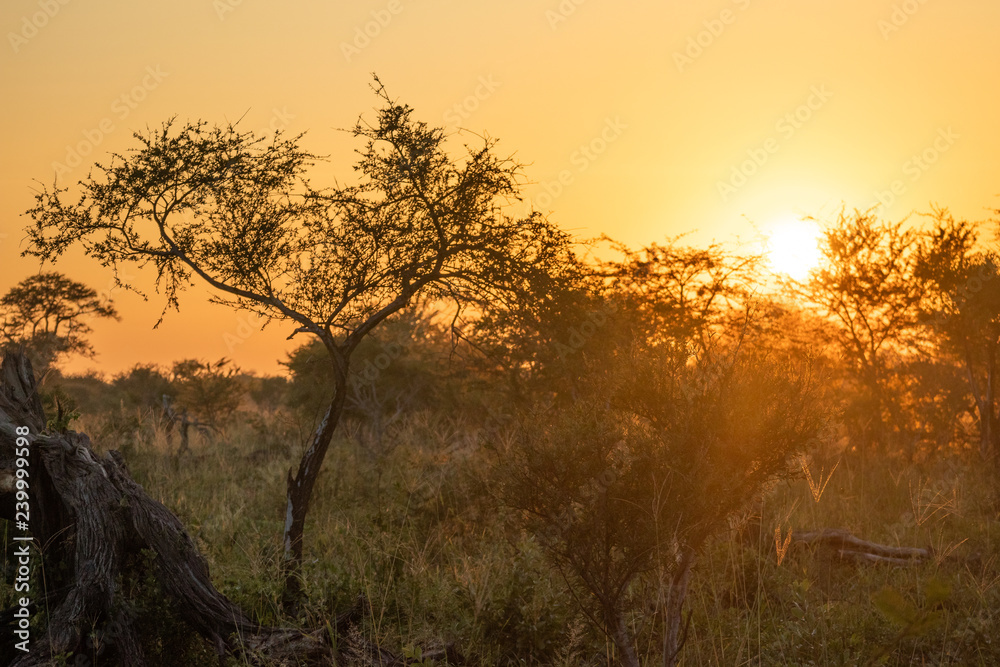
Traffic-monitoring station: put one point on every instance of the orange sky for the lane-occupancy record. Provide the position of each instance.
(724, 117)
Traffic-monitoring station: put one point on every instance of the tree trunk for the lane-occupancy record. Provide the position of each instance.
(989, 437)
(300, 487)
(619, 634)
(89, 521)
(299, 495)
(674, 635)
(991, 423)
(985, 399)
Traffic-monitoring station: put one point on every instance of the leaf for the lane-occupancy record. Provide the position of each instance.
(927, 622)
(936, 591)
(895, 607)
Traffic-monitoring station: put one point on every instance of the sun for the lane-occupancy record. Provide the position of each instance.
(792, 247)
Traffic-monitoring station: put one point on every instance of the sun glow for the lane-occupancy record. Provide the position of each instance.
(792, 247)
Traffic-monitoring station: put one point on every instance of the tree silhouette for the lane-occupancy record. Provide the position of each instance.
(682, 293)
(866, 286)
(48, 314)
(210, 392)
(238, 213)
(963, 306)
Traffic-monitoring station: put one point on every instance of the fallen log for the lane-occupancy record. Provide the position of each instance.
(848, 546)
(90, 520)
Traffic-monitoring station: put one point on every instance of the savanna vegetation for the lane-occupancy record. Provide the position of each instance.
(492, 449)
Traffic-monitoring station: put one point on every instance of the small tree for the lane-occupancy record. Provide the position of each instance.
(632, 480)
(141, 387)
(210, 392)
(49, 315)
(238, 213)
(675, 425)
(962, 306)
(866, 285)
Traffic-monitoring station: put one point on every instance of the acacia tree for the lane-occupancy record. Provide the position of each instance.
(238, 213)
(963, 308)
(866, 286)
(48, 314)
(211, 392)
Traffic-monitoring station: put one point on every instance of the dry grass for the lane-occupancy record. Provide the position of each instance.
(416, 531)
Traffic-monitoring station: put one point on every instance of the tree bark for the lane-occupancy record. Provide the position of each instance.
(300, 487)
(88, 512)
(985, 399)
(299, 496)
(619, 633)
(674, 636)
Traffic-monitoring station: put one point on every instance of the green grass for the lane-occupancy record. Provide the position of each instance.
(415, 530)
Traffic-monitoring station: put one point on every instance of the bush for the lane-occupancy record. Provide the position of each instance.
(632, 480)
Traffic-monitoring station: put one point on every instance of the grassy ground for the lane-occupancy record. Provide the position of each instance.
(411, 525)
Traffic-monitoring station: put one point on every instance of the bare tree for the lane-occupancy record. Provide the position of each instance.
(238, 213)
